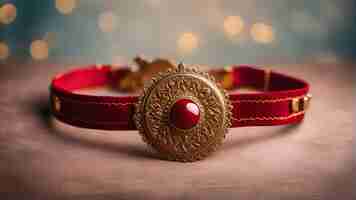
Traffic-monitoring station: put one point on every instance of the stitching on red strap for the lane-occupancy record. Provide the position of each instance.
(93, 122)
(94, 102)
(269, 118)
(266, 100)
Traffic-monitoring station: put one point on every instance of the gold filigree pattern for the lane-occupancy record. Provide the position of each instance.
(153, 110)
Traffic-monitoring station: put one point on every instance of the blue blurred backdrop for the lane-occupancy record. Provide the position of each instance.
(201, 31)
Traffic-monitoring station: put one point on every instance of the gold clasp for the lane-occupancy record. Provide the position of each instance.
(133, 81)
(267, 79)
(300, 104)
(225, 77)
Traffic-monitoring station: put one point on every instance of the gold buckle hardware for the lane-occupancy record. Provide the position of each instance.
(225, 77)
(133, 81)
(267, 79)
(300, 104)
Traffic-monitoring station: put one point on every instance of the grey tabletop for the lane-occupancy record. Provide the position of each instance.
(41, 158)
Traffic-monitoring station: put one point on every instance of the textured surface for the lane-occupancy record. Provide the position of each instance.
(44, 159)
(153, 114)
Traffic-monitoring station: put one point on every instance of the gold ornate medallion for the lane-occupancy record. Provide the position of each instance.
(183, 114)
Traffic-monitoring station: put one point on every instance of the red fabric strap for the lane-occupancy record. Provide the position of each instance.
(270, 107)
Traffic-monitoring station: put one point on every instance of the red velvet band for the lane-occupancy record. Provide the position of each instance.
(271, 107)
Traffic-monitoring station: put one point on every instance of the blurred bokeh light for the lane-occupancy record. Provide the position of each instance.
(233, 25)
(8, 13)
(262, 33)
(107, 22)
(187, 43)
(4, 51)
(208, 32)
(66, 6)
(39, 50)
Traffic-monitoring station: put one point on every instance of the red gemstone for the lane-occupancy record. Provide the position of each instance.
(185, 114)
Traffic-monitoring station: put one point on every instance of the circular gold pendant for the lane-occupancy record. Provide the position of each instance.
(183, 114)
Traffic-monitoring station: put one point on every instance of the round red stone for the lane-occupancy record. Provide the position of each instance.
(184, 114)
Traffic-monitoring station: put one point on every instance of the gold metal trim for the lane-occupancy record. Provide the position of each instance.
(56, 104)
(295, 105)
(299, 104)
(267, 79)
(227, 81)
(306, 101)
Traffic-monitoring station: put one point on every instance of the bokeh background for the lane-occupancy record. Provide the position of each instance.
(214, 32)
(44, 159)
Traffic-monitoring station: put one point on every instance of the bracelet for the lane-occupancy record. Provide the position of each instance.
(183, 113)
